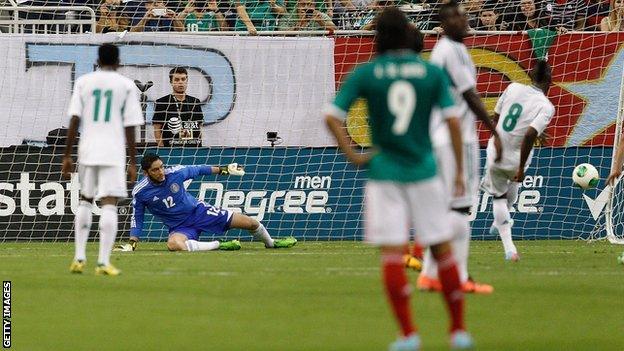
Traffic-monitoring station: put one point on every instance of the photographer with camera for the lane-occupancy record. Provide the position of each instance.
(306, 17)
(156, 18)
(200, 16)
(111, 18)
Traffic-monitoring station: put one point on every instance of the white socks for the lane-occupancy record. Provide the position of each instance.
(82, 226)
(262, 234)
(460, 245)
(194, 245)
(503, 224)
(108, 232)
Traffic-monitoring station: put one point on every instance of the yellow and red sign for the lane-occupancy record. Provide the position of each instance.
(587, 77)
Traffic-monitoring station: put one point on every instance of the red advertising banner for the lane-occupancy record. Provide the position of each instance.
(587, 74)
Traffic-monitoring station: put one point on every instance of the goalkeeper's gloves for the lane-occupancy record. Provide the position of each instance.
(232, 169)
(130, 246)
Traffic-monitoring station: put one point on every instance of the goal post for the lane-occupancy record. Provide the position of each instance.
(261, 100)
(614, 226)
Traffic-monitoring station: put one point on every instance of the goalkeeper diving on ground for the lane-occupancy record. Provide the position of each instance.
(162, 192)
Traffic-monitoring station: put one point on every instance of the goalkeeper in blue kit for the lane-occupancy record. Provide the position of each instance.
(162, 192)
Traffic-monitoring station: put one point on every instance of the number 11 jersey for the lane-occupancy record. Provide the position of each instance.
(106, 102)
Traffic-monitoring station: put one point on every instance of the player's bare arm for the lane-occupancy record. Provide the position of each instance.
(617, 166)
(131, 145)
(476, 105)
(454, 127)
(68, 164)
(527, 145)
(338, 130)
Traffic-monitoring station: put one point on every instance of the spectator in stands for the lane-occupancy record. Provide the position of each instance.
(4, 15)
(366, 20)
(528, 16)
(307, 17)
(154, 17)
(178, 117)
(596, 11)
(200, 16)
(473, 9)
(565, 15)
(255, 15)
(490, 19)
(111, 17)
(615, 21)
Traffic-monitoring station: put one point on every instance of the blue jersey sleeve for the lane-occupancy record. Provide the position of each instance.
(190, 172)
(136, 222)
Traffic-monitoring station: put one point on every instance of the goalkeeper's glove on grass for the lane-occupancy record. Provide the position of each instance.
(130, 246)
(232, 169)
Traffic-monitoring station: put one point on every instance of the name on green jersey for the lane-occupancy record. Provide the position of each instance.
(403, 70)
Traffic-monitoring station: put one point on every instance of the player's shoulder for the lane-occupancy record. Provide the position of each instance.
(174, 169)
(129, 83)
(445, 45)
(140, 187)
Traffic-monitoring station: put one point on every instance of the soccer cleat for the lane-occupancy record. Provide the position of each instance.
(424, 283)
(472, 287)
(412, 262)
(230, 245)
(77, 266)
(107, 270)
(461, 340)
(409, 343)
(512, 256)
(284, 243)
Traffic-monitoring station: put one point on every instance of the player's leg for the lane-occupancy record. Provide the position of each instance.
(108, 233)
(502, 222)
(431, 221)
(111, 185)
(496, 182)
(259, 232)
(459, 219)
(387, 220)
(187, 240)
(83, 218)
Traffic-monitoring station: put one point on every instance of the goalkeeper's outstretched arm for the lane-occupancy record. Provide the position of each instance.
(136, 227)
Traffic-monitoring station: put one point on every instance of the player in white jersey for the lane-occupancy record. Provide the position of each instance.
(106, 106)
(522, 112)
(451, 54)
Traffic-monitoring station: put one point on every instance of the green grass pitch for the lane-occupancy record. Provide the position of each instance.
(563, 295)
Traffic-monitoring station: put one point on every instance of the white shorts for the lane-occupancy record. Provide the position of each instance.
(446, 169)
(97, 182)
(496, 181)
(391, 209)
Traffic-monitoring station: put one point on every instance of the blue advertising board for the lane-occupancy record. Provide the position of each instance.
(314, 194)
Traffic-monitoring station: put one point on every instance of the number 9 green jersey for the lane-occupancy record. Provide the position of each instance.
(400, 89)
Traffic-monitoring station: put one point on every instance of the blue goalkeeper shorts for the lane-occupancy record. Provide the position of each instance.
(205, 218)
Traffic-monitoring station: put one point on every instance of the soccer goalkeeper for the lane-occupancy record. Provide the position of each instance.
(162, 192)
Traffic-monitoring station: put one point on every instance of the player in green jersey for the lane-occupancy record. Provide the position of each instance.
(403, 191)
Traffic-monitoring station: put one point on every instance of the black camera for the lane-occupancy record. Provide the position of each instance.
(273, 138)
(309, 12)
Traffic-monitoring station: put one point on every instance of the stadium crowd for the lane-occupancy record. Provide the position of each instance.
(296, 15)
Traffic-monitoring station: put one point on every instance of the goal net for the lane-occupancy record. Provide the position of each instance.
(261, 100)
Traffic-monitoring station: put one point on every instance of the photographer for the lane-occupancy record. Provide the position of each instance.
(178, 117)
(110, 17)
(200, 16)
(154, 17)
(306, 17)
